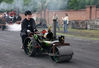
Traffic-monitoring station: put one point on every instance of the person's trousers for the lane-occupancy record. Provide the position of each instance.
(65, 27)
(57, 26)
(23, 37)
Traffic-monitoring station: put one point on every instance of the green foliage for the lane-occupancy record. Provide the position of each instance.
(26, 2)
(73, 4)
(10, 1)
(80, 4)
(7, 1)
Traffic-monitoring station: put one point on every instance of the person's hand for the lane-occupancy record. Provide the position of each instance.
(37, 32)
(30, 34)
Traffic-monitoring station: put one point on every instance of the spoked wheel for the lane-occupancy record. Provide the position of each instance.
(55, 56)
(29, 47)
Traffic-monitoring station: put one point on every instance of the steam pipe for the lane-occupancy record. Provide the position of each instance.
(54, 28)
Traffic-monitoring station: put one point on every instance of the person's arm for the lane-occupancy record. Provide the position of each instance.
(62, 18)
(34, 26)
(23, 26)
(56, 17)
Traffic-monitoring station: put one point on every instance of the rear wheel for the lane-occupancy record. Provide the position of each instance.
(29, 47)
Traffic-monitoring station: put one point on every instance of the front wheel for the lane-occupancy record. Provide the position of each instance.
(55, 56)
(59, 55)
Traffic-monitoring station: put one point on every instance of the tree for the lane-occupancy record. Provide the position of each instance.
(26, 2)
(73, 4)
(80, 4)
(7, 1)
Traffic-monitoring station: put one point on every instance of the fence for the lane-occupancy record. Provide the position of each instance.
(91, 24)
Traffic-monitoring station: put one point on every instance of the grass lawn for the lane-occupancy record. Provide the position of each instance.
(89, 34)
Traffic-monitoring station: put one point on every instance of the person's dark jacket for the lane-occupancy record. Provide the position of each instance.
(28, 25)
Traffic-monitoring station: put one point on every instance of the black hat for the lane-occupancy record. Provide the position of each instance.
(27, 13)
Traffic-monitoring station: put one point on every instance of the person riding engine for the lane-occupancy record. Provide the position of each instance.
(35, 43)
(27, 24)
(48, 35)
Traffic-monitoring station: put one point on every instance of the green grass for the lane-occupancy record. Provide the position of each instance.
(88, 34)
(89, 38)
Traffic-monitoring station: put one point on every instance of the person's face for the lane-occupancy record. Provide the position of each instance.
(28, 17)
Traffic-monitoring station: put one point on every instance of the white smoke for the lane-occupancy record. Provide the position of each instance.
(34, 5)
(57, 4)
(13, 27)
(16, 4)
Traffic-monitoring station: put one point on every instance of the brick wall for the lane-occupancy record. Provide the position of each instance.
(89, 13)
(73, 15)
